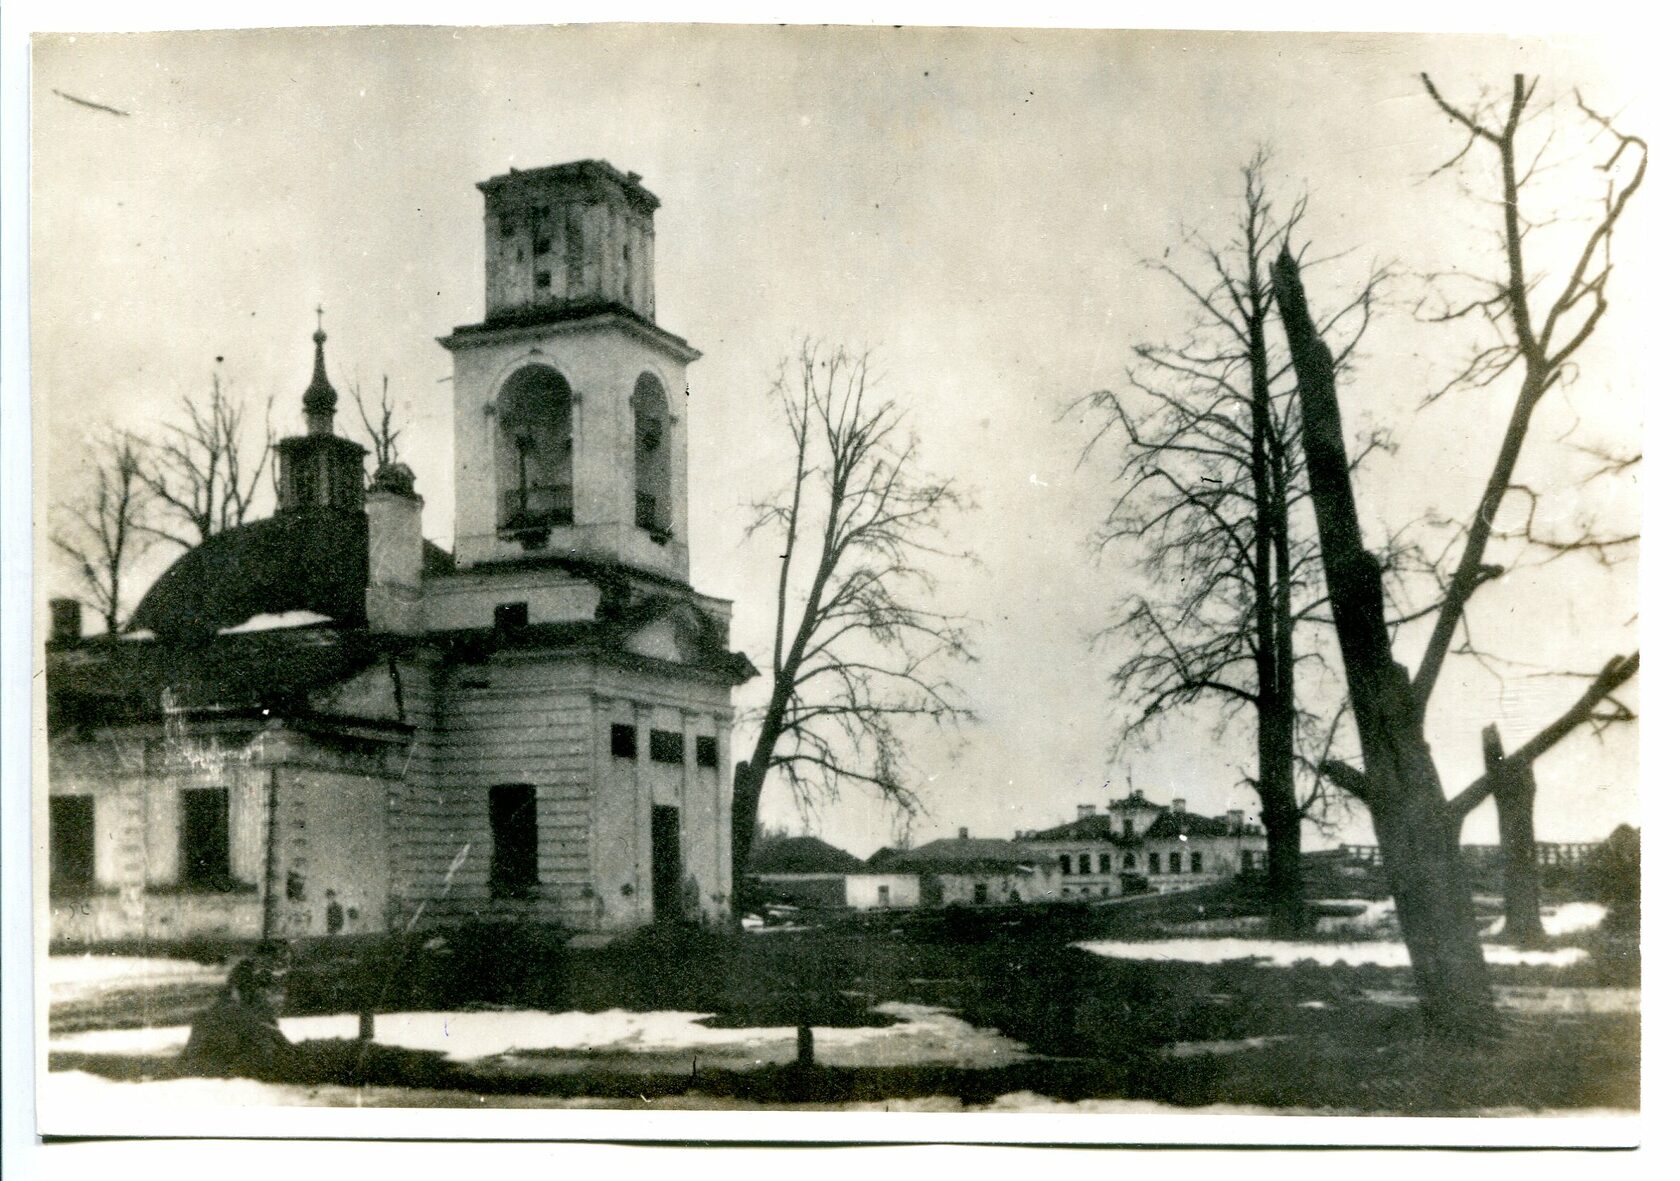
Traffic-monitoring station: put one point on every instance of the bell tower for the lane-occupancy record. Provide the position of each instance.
(570, 424)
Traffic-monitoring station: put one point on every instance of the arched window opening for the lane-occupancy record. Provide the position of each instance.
(652, 443)
(534, 450)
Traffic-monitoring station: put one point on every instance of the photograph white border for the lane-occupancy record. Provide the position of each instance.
(21, 690)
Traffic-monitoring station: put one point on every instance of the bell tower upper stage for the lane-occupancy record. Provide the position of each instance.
(571, 432)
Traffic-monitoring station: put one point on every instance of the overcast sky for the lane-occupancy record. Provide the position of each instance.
(974, 205)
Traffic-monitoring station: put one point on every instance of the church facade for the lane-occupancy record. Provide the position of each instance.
(532, 727)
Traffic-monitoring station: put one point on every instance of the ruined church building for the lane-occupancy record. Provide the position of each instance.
(532, 727)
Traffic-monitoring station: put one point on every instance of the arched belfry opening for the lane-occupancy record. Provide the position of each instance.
(652, 443)
(534, 450)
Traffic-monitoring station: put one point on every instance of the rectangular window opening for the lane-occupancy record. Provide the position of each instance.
(1067, 864)
(513, 841)
(647, 511)
(623, 741)
(70, 838)
(1154, 863)
(543, 280)
(1175, 863)
(706, 752)
(1104, 864)
(542, 246)
(665, 746)
(1084, 863)
(1195, 863)
(204, 838)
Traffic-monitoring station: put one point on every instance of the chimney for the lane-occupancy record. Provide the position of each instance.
(1234, 818)
(962, 834)
(66, 621)
(1178, 806)
(1085, 810)
(395, 550)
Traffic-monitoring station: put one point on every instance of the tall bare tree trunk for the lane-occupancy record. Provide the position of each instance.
(1417, 831)
(1513, 796)
(1280, 811)
(749, 783)
(1274, 618)
(743, 817)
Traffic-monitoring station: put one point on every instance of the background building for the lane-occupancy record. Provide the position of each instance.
(1167, 847)
(964, 870)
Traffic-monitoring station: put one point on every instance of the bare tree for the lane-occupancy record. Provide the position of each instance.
(105, 531)
(1416, 825)
(381, 433)
(1211, 487)
(856, 652)
(202, 471)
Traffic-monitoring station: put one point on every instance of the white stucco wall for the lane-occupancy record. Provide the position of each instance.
(863, 890)
(469, 599)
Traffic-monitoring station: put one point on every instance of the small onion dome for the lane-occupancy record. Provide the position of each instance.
(320, 399)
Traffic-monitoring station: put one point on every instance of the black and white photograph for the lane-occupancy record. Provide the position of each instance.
(711, 571)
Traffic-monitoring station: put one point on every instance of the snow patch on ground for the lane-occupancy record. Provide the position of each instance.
(922, 1035)
(166, 1041)
(274, 622)
(1281, 953)
(1373, 914)
(82, 977)
(1523, 999)
(1569, 919)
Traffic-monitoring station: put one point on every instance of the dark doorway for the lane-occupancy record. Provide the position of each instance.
(513, 841)
(204, 838)
(70, 831)
(667, 863)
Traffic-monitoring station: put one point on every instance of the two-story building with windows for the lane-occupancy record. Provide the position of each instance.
(534, 726)
(1133, 840)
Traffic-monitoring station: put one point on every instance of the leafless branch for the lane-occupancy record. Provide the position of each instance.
(855, 653)
(104, 532)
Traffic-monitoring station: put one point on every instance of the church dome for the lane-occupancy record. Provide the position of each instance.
(310, 560)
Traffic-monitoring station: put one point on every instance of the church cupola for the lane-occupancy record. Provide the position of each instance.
(320, 399)
(318, 469)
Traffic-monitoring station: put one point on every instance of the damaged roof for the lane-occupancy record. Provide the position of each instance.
(312, 560)
(308, 560)
(110, 681)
